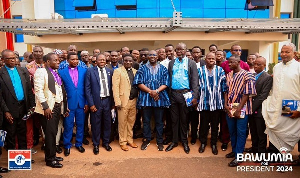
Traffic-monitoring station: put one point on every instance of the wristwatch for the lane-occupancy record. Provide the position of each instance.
(157, 91)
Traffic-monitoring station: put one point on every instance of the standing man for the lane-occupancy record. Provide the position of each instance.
(17, 100)
(241, 85)
(212, 80)
(257, 123)
(96, 52)
(235, 50)
(73, 79)
(65, 64)
(84, 55)
(125, 101)
(49, 93)
(98, 91)
(283, 131)
(144, 56)
(220, 58)
(114, 61)
(161, 54)
(136, 55)
(213, 48)
(169, 49)
(250, 61)
(152, 80)
(183, 78)
(197, 56)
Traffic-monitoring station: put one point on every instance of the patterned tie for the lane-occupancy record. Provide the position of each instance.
(103, 82)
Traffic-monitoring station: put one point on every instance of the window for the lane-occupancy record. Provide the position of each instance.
(19, 38)
(285, 15)
(126, 7)
(85, 5)
(258, 4)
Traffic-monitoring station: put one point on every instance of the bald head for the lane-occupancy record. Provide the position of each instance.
(260, 64)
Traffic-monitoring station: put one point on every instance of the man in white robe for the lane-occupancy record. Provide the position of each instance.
(283, 131)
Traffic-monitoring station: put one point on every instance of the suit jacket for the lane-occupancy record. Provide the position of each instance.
(10, 101)
(75, 95)
(110, 66)
(121, 86)
(263, 86)
(193, 76)
(92, 85)
(44, 87)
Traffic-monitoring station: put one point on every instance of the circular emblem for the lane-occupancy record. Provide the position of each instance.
(19, 160)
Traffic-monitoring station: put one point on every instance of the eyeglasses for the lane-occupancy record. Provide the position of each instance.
(236, 50)
(143, 54)
(152, 55)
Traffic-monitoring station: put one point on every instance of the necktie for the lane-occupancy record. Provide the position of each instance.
(103, 82)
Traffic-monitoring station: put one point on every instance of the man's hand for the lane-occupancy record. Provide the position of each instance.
(48, 113)
(93, 108)
(194, 102)
(9, 117)
(118, 107)
(86, 108)
(67, 113)
(295, 114)
(228, 110)
(237, 114)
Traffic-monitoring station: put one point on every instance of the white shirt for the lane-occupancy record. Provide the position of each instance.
(165, 63)
(101, 84)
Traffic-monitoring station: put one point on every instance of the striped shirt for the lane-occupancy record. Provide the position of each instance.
(153, 78)
(212, 86)
(239, 84)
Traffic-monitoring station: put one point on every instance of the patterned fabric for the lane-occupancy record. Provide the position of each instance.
(180, 77)
(212, 87)
(153, 78)
(65, 64)
(57, 51)
(16, 81)
(74, 75)
(239, 84)
(56, 76)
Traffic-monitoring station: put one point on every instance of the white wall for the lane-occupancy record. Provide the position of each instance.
(43, 9)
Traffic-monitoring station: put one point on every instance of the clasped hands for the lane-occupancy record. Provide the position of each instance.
(154, 95)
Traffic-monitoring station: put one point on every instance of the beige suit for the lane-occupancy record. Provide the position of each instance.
(43, 95)
(126, 116)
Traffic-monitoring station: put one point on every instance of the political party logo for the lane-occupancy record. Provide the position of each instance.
(19, 159)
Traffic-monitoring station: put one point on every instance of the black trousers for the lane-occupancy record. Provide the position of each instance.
(86, 124)
(194, 119)
(50, 129)
(168, 126)
(257, 130)
(17, 128)
(179, 112)
(207, 117)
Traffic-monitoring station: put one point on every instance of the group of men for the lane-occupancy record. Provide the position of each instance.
(114, 89)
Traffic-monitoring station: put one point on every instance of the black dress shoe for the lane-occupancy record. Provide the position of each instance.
(3, 170)
(96, 150)
(230, 155)
(171, 146)
(214, 149)
(54, 164)
(166, 141)
(248, 150)
(67, 151)
(224, 146)
(107, 147)
(202, 148)
(193, 141)
(80, 149)
(233, 163)
(186, 148)
(85, 141)
(58, 149)
(59, 159)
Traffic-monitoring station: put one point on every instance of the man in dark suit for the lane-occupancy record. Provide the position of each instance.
(183, 78)
(17, 99)
(73, 79)
(257, 124)
(98, 91)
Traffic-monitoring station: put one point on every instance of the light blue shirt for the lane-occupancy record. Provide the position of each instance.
(16, 81)
(180, 77)
(258, 75)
